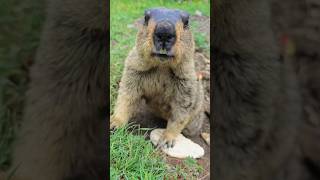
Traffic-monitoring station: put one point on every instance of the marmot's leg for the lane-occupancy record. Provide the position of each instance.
(126, 108)
(180, 117)
(174, 128)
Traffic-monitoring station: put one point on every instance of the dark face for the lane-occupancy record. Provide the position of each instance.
(164, 36)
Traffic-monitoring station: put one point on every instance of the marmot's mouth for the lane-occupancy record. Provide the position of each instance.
(162, 55)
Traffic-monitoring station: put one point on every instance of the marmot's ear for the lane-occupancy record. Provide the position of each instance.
(185, 19)
(147, 15)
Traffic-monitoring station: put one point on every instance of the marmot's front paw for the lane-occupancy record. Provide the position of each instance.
(116, 122)
(167, 140)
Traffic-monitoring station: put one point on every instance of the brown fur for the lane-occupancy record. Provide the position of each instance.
(170, 88)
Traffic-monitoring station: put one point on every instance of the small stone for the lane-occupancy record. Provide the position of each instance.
(199, 75)
(204, 75)
(207, 61)
(198, 13)
(206, 137)
(183, 147)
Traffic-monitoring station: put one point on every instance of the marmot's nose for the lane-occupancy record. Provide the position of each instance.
(164, 36)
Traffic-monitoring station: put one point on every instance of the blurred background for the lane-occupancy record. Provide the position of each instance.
(297, 24)
(20, 27)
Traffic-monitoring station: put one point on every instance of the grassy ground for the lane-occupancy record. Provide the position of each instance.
(20, 24)
(131, 155)
(126, 150)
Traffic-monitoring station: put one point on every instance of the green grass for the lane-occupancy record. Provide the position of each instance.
(19, 36)
(131, 155)
(200, 38)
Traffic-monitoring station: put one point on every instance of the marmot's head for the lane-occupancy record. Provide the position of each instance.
(165, 36)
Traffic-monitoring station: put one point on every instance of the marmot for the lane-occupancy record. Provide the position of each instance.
(63, 135)
(160, 70)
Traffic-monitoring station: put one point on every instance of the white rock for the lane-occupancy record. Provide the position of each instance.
(183, 147)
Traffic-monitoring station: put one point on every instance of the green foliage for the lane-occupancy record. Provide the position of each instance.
(201, 41)
(132, 156)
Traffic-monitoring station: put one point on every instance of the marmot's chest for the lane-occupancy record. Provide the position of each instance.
(158, 83)
(158, 89)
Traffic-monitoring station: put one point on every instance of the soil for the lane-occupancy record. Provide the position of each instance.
(202, 61)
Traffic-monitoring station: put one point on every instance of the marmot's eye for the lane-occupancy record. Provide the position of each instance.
(146, 17)
(185, 19)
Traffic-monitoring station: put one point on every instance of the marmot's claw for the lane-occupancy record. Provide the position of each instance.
(166, 142)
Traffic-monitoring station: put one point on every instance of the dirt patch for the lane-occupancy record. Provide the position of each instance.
(202, 62)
